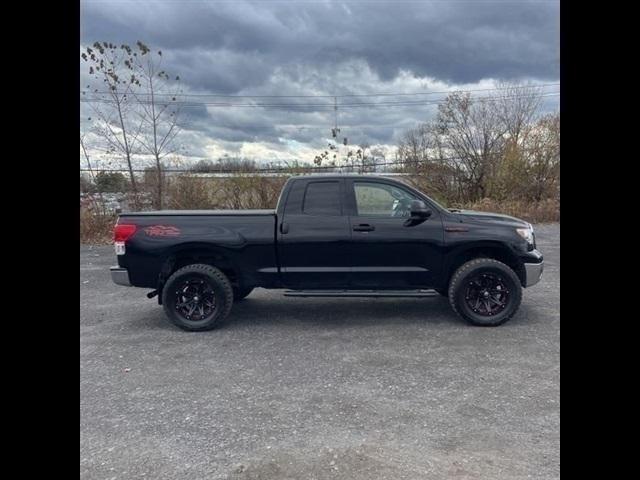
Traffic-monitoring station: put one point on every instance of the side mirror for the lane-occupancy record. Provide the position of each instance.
(419, 210)
(419, 213)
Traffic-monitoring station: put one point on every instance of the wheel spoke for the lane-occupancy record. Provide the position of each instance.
(487, 305)
(184, 304)
(487, 294)
(195, 299)
(497, 301)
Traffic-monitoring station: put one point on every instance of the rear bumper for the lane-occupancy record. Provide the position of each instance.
(120, 276)
(533, 273)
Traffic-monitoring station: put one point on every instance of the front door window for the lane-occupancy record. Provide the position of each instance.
(381, 200)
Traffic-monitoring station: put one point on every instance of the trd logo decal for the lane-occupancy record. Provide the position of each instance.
(162, 231)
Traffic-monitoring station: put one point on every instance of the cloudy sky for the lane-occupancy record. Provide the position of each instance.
(325, 48)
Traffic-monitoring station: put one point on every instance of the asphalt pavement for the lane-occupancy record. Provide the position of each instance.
(318, 388)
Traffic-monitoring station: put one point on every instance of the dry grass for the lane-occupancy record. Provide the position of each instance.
(96, 229)
(534, 212)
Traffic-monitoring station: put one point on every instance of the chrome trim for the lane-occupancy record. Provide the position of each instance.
(120, 276)
(533, 273)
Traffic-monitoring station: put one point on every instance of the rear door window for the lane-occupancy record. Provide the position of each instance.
(322, 198)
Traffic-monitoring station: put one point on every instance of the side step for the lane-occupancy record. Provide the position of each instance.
(360, 293)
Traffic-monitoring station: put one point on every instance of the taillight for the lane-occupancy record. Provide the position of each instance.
(122, 232)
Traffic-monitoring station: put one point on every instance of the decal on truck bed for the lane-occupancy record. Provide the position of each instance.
(162, 231)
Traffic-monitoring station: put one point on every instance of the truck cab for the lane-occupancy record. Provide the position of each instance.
(343, 232)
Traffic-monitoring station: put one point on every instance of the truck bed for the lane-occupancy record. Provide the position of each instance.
(243, 240)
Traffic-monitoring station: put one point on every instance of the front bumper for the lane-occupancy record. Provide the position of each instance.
(533, 273)
(120, 276)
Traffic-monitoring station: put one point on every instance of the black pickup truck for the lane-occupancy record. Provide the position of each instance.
(340, 235)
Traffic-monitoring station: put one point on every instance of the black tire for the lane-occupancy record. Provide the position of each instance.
(211, 288)
(472, 289)
(241, 293)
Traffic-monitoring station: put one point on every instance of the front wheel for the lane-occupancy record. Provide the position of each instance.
(485, 292)
(197, 297)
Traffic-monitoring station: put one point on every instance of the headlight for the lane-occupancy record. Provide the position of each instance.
(526, 233)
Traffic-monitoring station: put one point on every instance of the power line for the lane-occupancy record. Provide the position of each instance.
(349, 95)
(310, 105)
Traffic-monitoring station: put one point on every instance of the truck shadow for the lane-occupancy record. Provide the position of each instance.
(340, 312)
(352, 312)
(335, 313)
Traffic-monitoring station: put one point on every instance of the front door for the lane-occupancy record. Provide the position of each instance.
(386, 253)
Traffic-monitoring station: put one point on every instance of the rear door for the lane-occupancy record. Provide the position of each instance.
(314, 237)
(386, 253)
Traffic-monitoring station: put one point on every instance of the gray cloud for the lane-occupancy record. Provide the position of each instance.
(296, 48)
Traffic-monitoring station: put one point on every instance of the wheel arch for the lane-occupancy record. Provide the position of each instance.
(486, 249)
(189, 254)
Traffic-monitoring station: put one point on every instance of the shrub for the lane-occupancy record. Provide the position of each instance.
(96, 227)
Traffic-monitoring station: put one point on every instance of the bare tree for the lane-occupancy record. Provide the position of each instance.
(158, 109)
(101, 206)
(363, 157)
(330, 157)
(111, 99)
(227, 163)
(542, 153)
(377, 154)
(473, 147)
(202, 166)
(473, 134)
(516, 107)
(421, 153)
(346, 157)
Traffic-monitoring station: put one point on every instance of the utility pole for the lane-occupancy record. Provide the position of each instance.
(335, 111)
(335, 147)
(335, 130)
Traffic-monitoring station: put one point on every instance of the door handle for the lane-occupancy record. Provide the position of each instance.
(363, 227)
(284, 228)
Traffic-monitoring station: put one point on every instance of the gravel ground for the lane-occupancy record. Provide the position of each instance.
(294, 388)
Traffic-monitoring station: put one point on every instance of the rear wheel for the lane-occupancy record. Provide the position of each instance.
(241, 293)
(485, 292)
(197, 297)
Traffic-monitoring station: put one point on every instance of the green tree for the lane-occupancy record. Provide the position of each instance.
(111, 182)
(86, 185)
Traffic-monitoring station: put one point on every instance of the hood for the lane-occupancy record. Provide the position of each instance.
(489, 217)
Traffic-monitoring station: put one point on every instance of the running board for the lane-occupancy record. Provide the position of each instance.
(360, 293)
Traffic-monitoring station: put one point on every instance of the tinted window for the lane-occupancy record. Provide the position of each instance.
(322, 198)
(382, 200)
